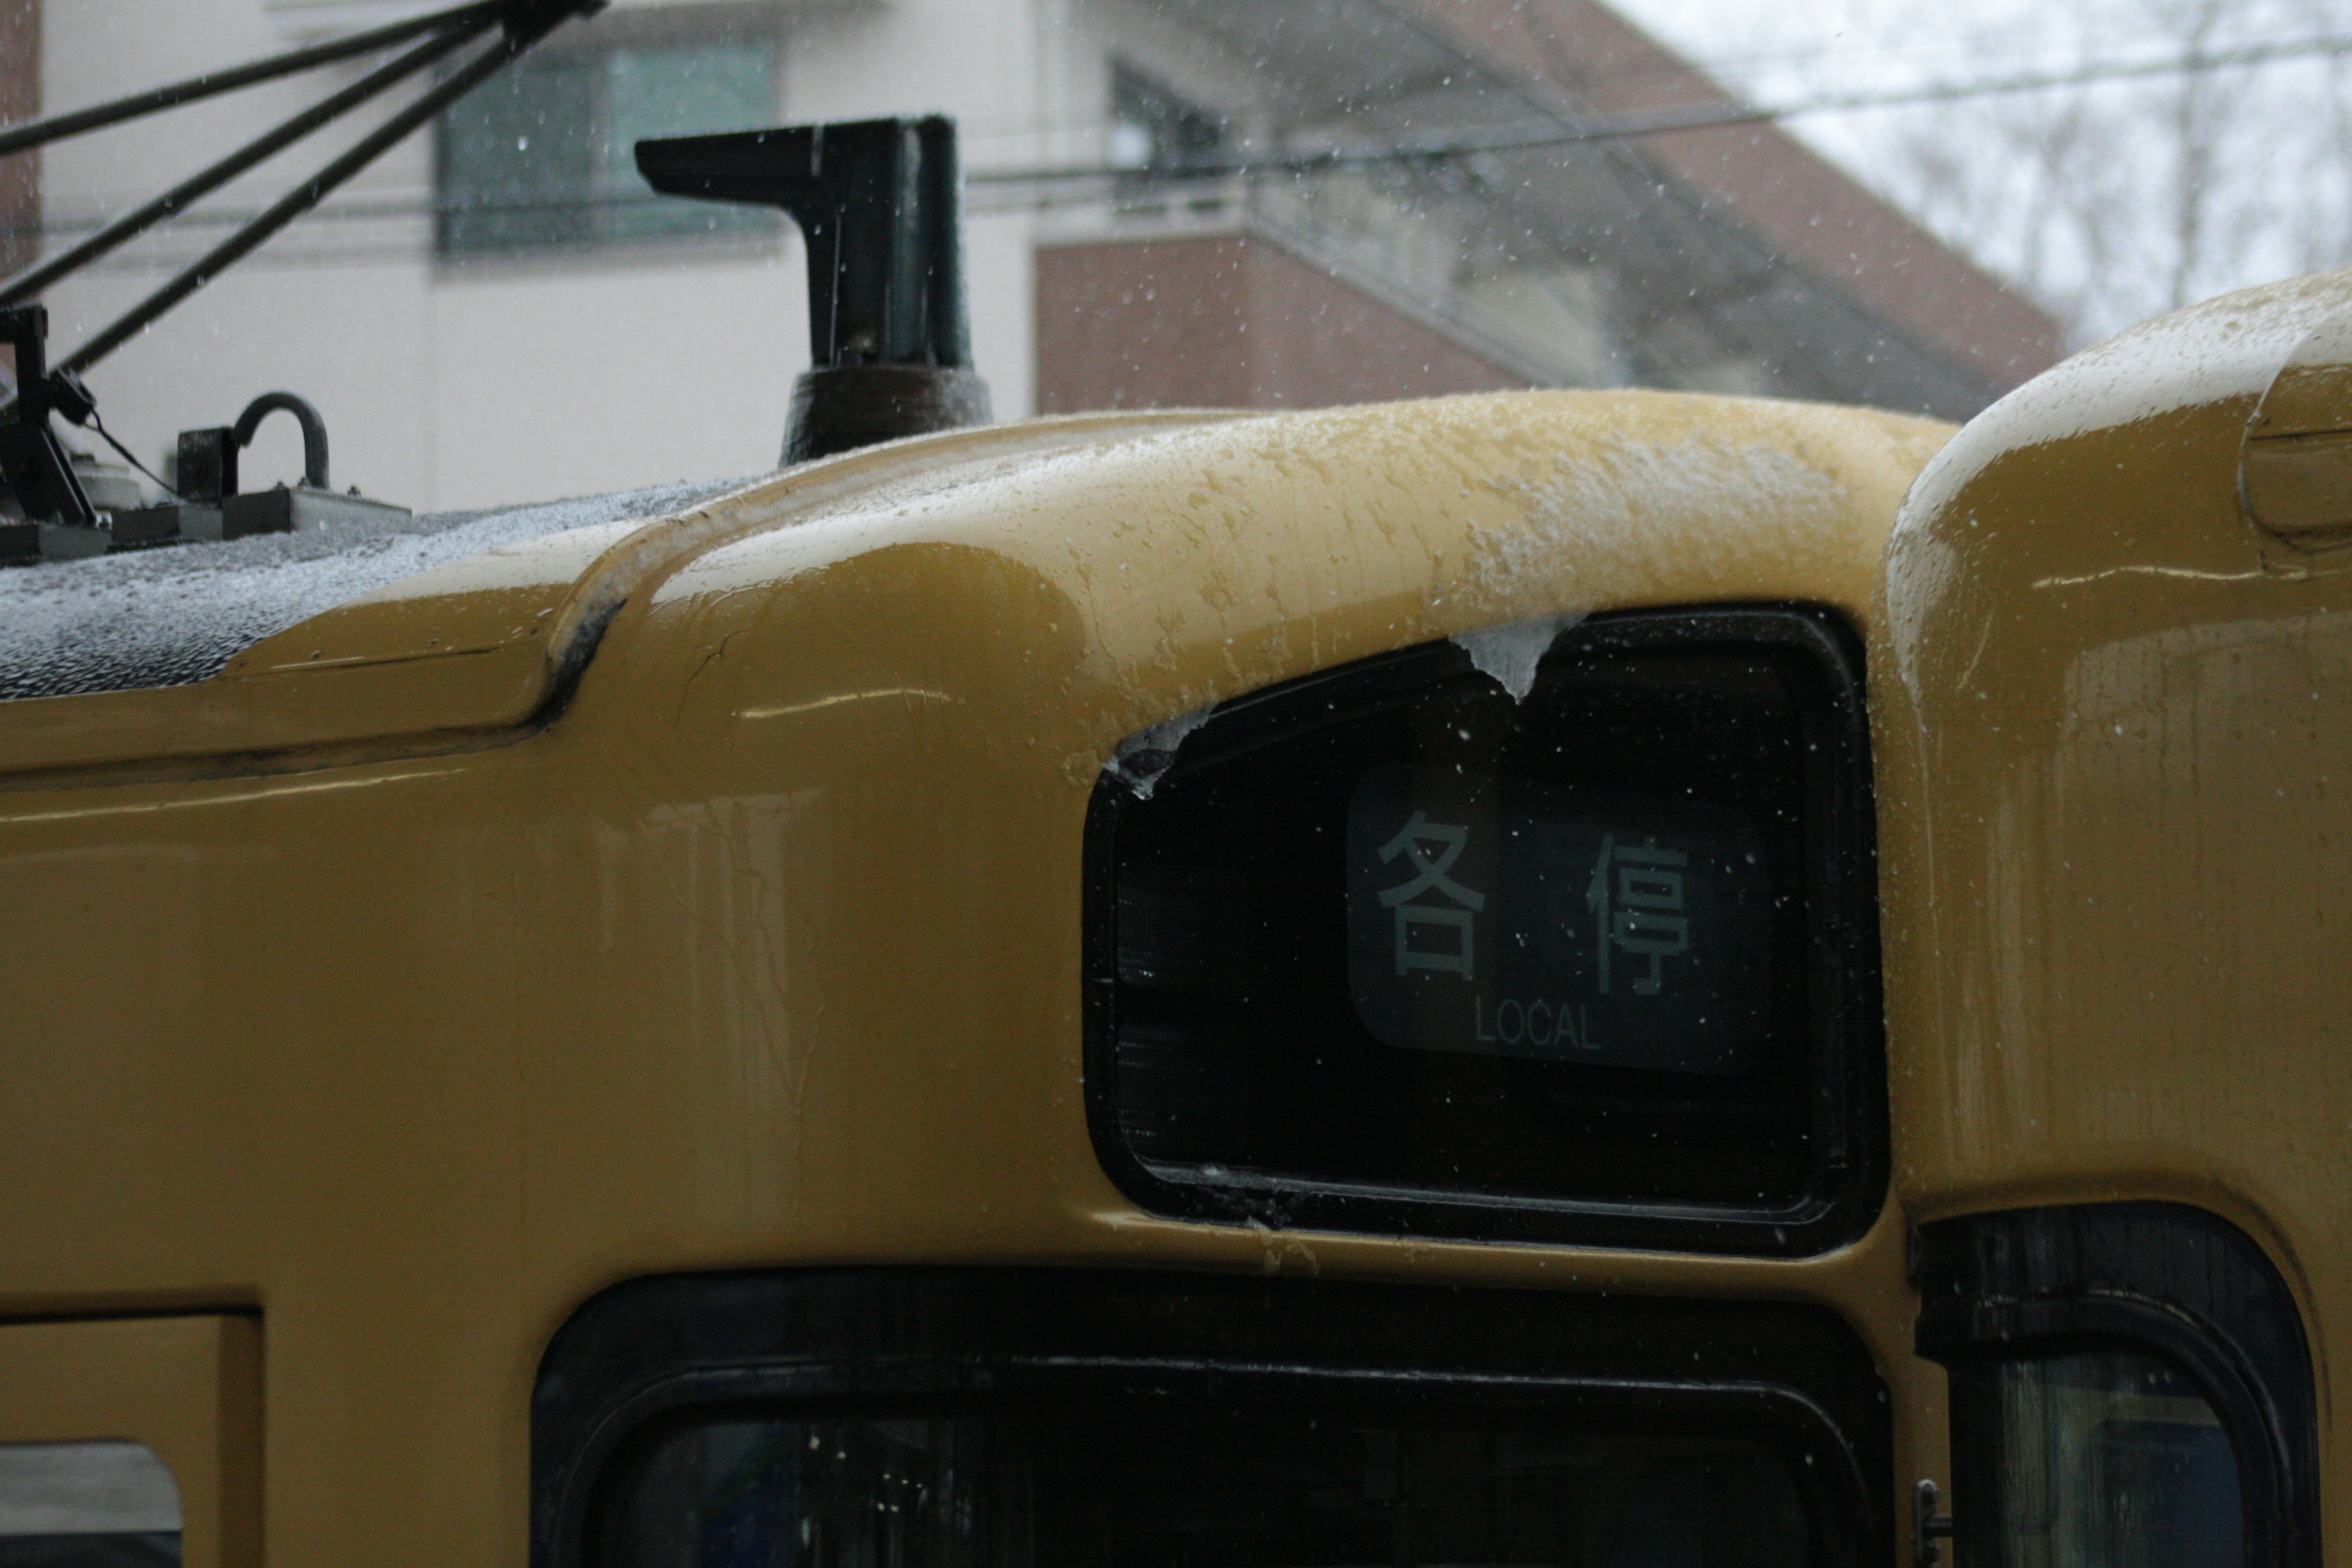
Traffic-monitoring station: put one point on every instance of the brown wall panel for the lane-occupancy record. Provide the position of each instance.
(1228, 321)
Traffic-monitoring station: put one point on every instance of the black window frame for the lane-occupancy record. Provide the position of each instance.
(643, 1358)
(2165, 1279)
(1847, 1191)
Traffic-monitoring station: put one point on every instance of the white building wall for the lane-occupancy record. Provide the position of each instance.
(451, 385)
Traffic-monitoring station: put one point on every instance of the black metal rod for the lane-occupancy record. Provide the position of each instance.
(34, 280)
(33, 133)
(314, 431)
(305, 196)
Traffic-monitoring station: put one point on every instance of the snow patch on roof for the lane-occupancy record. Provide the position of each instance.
(166, 617)
(2229, 347)
(1612, 505)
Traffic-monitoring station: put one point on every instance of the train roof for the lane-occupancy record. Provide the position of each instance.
(2103, 679)
(166, 617)
(294, 645)
(2218, 357)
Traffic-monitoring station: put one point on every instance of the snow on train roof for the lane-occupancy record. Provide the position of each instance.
(166, 617)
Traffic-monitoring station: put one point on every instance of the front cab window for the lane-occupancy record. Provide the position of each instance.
(1165, 1491)
(2130, 1389)
(2113, 1457)
(1066, 1418)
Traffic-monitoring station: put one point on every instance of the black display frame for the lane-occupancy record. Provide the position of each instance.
(1846, 1187)
(2163, 1278)
(643, 1358)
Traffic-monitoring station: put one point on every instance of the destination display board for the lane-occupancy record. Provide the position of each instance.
(1406, 947)
(1511, 917)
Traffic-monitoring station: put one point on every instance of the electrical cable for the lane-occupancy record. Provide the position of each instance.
(1547, 132)
(303, 196)
(1005, 185)
(34, 280)
(25, 135)
(107, 436)
(1721, 114)
(1697, 117)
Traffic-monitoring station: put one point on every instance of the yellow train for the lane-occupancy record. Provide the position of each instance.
(1175, 990)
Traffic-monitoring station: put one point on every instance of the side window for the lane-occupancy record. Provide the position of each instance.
(2130, 1388)
(131, 1443)
(87, 1505)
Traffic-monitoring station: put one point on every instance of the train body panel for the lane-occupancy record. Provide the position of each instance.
(2112, 751)
(409, 1023)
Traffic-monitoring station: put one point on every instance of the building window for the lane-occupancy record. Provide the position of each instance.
(541, 156)
(1151, 129)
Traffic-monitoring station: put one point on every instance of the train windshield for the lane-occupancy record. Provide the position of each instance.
(1153, 1488)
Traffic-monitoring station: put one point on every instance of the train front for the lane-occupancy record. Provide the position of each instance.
(1181, 988)
(1477, 982)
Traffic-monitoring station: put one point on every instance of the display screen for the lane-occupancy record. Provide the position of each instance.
(1394, 929)
(1511, 917)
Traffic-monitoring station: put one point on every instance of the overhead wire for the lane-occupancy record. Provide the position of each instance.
(1016, 188)
(1724, 114)
(1547, 130)
(23, 135)
(1543, 130)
